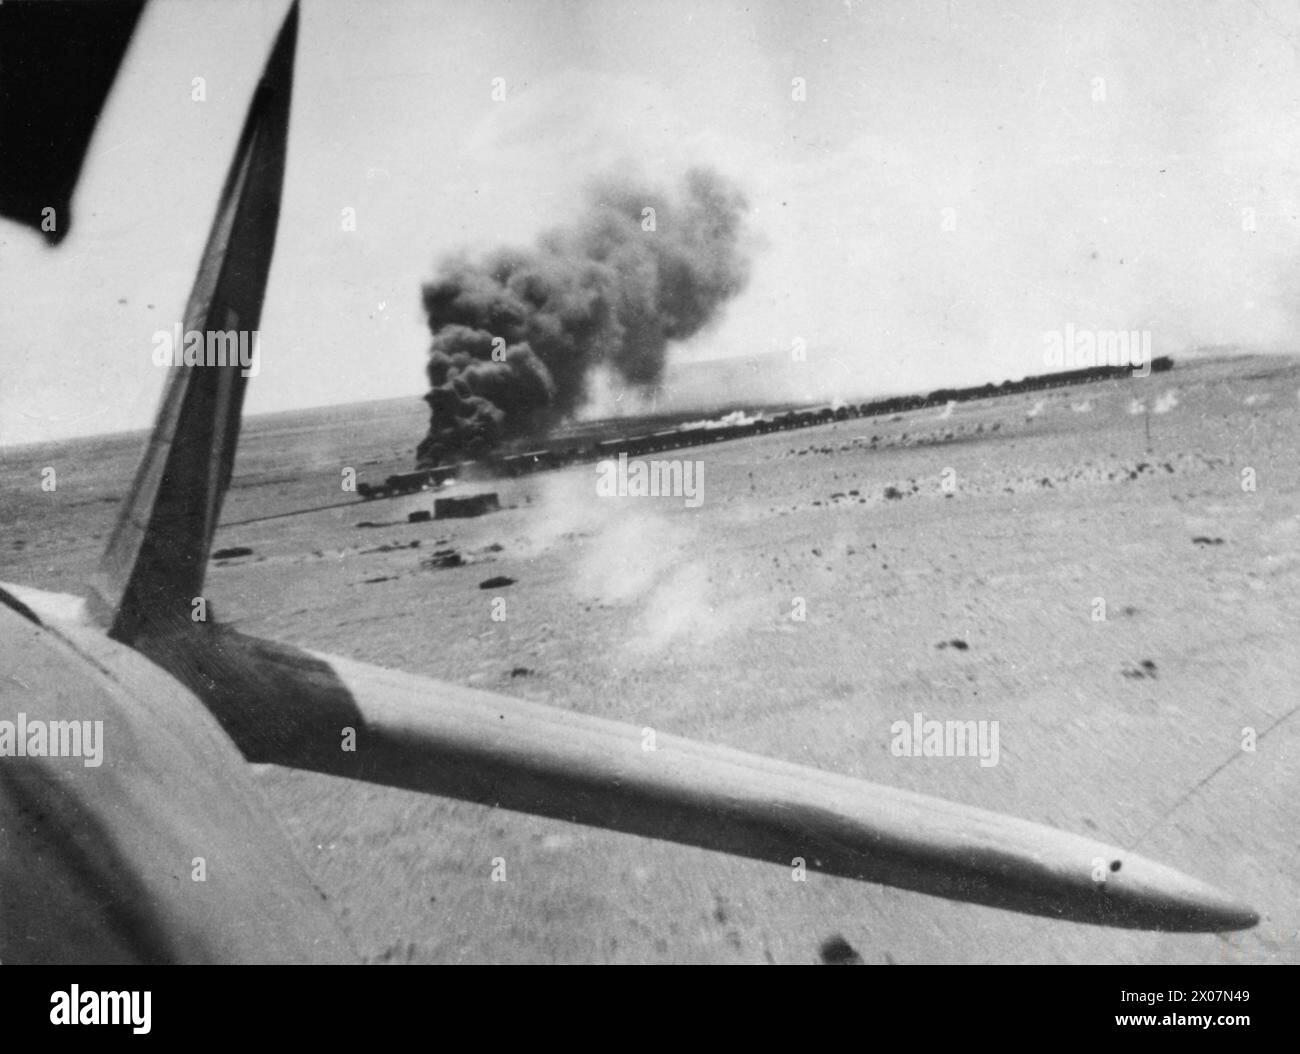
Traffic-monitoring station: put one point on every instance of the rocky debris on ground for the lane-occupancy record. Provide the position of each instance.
(1143, 670)
(448, 556)
(499, 582)
(232, 552)
(389, 547)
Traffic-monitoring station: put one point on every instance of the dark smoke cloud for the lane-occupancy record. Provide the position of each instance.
(602, 292)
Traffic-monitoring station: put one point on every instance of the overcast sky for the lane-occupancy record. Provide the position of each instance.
(1098, 159)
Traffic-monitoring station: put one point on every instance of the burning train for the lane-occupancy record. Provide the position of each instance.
(563, 452)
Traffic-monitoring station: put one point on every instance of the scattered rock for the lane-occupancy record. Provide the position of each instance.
(893, 493)
(1201, 539)
(1143, 670)
(499, 582)
(419, 516)
(442, 558)
(389, 547)
(521, 671)
(232, 552)
(960, 645)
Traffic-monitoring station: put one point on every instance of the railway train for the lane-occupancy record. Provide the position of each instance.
(562, 452)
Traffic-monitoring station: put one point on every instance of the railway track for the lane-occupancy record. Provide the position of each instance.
(562, 453)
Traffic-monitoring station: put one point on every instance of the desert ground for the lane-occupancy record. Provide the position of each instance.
(952, 563)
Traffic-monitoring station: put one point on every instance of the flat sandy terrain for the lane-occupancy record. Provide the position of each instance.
(1128, 728)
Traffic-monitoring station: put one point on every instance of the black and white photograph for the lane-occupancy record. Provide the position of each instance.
(650, 482)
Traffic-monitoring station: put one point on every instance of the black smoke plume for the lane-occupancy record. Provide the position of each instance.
(517, 334)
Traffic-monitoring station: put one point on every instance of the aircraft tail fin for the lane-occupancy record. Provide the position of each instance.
(155, 561)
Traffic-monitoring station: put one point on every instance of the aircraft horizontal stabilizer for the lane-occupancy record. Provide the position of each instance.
(286, 706)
